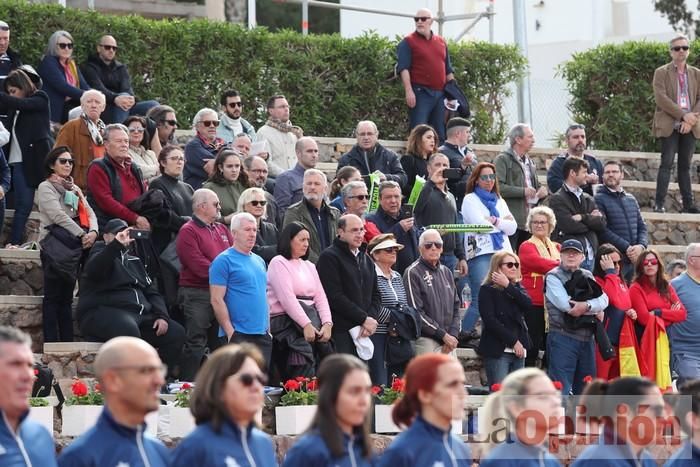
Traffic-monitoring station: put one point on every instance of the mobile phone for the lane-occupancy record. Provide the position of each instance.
(452, 174)
(139, 234)
(406, 211)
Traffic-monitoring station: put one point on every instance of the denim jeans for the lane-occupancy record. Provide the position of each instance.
(686, 365)
(499, 368)
(115, 114)
(570, 361)
(478, 268)
(429, 109)
(684, 145)
(377, 364)
(24, 199)
(450, 262)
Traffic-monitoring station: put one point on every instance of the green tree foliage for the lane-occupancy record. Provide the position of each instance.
(678, 15)
(277, 16)
(611, 92)
(331, 82)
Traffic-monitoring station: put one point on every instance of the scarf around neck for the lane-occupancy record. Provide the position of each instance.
(489, 199)
(95, 129)
(285, 127)
(71, 195)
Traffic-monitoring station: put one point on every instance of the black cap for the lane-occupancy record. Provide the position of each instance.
(114, 226)
(458, 121)
(572, 244)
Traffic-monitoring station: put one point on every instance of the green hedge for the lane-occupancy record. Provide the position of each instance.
(611, 89)
(331, 82)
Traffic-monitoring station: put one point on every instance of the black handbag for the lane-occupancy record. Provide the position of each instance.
(43, 383)
(62, 251)
(403, 328)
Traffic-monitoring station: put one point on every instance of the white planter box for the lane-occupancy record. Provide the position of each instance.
(43, 416)
(77, 419)
(293, 420)
(383, 422)
(181, 422)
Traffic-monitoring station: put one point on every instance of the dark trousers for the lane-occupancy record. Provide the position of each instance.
(56, 308)
(517, 238)
(262, 341)
(23, 196)
(343, 342)
(684, 145)
(201, 330)
(106, 323)
(534, 318)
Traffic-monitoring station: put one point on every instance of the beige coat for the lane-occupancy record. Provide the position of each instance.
(668, 112)
(52, 210)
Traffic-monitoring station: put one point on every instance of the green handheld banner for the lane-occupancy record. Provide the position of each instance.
(373, 192)
(470, 228)
(415, 191)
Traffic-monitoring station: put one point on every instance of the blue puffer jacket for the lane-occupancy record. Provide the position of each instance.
(625, 225)
(311, 451)
(109, 443)
(231, 446)
(30, 446)
(425, 444)
(513, 453)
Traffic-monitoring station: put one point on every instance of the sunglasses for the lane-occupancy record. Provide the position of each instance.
(65, 45)
(235, 104)
(511, 264)
(4, 28)
(136, 130)
(248, 379)
(360, 197)
(170, 122)
(210, 123)
(430, 245)
(487, 177)
(64, 161)
(255, 202)
(109, 47)
(650, 262)
(678, 48)
(421, 19)
(391, 249)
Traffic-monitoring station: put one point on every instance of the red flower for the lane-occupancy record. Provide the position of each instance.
(36, 372)
(587, 379)
(397, 384)
(98, 388)
(495, 387)
(312, 385)
(376, 390)
(79, 388)
(301, 379)
(291, 385)
(557, 385)
(185, 386)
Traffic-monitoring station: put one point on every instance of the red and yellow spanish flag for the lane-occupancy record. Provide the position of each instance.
(628, 350)
(656, 354)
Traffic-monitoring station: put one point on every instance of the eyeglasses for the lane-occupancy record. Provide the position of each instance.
(210, 123)
(176, 158)
(248, 379)
(650, 262)
(64, 161)
(255, 202)
(511, 264)
(4, 28)
(419, 19)
(678, 48)
(431, 245)
(360, 197)
(136, 130)
(362, 135)
(216, 204)
(260, 171)
(170, 122)
(487, 177)
(109, 47)
(145, 370)
(65, 45)
(357, 231)
(539, 222)
(391, 249)
(235, 104)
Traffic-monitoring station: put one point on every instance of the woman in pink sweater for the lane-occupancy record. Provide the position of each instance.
(300, 318)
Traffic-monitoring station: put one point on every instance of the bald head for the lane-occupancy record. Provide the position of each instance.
(121, 351)
(424, 21)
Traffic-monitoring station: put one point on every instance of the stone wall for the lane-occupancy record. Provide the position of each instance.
(23, 313)
(21, 277)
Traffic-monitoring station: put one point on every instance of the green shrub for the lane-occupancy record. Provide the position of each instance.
(611, 91)
(331, 82)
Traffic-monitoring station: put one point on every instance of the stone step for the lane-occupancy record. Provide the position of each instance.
(20, 272)
(31, 231)
(23, 312)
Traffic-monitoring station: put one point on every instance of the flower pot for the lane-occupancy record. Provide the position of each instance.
(382, 419)
(43, 416)
(181, 422)
(294, 419)
(77, 419)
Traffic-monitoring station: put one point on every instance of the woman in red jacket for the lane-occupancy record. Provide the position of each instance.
(607, 275)
(652, 294)
(538, 256)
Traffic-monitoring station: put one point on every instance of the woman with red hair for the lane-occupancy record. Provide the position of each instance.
(433, 396)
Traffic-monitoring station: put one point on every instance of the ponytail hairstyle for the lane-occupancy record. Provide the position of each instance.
(341, 178)
(421, 375)
(495, 412)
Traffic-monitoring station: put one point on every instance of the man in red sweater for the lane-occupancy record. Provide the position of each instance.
(113, 182)
(425, 68)
(199, 241)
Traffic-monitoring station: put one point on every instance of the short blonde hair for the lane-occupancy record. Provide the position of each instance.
(247, 195)
(541, 211)
(496, 261)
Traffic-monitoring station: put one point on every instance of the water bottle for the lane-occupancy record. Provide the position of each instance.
(466, 296)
